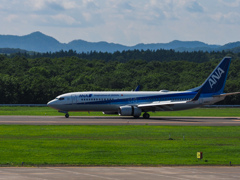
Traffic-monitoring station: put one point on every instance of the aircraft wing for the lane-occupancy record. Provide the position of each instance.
(167, 105)
(161, 105)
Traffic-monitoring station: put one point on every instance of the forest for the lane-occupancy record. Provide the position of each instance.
(38, 78)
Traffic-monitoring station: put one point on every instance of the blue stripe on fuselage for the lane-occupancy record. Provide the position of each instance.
(143, 99)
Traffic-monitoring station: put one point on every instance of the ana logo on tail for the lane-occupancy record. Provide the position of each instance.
(216, 76)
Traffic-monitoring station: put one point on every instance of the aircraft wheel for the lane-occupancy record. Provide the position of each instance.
(66, 115)
(146, 116)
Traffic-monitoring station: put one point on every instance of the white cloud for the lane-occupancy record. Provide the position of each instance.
(69, 5)
(229, 18)
(34, 5)
(194, 6)
(11, 18)
(63, 19)
(125, 21)
(230, 3)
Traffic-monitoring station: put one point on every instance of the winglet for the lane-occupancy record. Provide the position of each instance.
(137, 88)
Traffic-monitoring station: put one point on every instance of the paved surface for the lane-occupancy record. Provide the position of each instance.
(118, 120)
(120, 173)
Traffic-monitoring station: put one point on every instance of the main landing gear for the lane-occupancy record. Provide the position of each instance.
(146, 115)
(67, 115)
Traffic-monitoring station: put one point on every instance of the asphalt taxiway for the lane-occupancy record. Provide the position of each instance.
(118, 120)
(120, 173)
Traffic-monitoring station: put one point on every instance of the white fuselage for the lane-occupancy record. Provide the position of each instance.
(111, 101)
(133, 103)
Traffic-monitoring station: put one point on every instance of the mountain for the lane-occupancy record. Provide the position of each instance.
(230, 46)
(176, 45)
(12, 51)
(84, 46)
(40, 42)
(33, 42)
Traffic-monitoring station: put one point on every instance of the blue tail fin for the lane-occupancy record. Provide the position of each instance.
(216, 81)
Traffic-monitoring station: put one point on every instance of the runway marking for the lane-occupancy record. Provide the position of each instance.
(218, 173)
(202, 171)
(160, 175)
(86, 174)
(22, 175)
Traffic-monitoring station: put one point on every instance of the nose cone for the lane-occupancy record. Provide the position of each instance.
(51, 104)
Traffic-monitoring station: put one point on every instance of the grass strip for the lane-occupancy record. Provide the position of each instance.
(118, 145)
(46, 111)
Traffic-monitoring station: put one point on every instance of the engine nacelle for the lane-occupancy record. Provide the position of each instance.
(129, 111)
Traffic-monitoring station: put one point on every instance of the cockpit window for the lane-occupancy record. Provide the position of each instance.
(61, 98)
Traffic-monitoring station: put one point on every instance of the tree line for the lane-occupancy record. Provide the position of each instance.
(124, 56)
(30, 79)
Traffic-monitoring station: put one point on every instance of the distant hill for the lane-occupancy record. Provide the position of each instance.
(177, 45)
(33, 42)
(230, 46)
(40, 42)
(12, 51)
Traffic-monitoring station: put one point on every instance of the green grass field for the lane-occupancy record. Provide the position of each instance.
(118, 145)
(46, 111)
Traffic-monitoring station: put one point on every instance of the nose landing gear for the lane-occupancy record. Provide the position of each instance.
(66, 113)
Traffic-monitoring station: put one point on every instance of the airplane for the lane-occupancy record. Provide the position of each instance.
(134, 103)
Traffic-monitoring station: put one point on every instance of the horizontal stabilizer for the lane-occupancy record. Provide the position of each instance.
(227, 94)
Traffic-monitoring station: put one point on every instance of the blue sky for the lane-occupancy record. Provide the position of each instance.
(127, 22)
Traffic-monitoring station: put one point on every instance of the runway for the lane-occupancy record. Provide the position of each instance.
(120, 173)
(118, 120)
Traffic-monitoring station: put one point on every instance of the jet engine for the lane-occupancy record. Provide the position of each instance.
(129, 111)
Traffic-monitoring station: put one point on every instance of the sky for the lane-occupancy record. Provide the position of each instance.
(126, 22)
